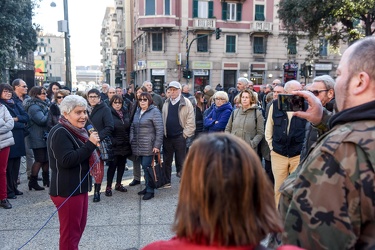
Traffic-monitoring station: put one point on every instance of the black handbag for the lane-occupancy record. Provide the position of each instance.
(156, 172)
(105, 148)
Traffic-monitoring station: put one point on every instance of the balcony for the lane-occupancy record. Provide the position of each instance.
(158, 22)
(261, 27)
(204, 23)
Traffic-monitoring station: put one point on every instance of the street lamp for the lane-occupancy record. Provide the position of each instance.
(64, 27)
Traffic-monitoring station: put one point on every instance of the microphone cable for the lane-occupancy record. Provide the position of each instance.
(40, 229)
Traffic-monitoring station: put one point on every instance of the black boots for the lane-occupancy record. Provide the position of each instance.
(5, 204)
(96, 192)
(45, 176)
(33, 183)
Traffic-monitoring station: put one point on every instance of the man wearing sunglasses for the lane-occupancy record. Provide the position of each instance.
(323, 88)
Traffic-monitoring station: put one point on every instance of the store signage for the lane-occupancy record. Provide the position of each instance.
(200, 72)
(202, 65)
(158, 72)
(157, 64)
(323, 66)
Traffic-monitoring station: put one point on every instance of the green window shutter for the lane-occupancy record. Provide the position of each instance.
(259, 13)
(239, 11)
(195, 8)
(224, 10)
(210, 9)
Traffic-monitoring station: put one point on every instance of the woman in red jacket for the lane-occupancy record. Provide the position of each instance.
(225, 199)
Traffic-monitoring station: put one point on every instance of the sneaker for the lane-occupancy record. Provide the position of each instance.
(168, 185)
(148, 196)
(5, 204)
(144, 191)
(134, 183)
(108, 191)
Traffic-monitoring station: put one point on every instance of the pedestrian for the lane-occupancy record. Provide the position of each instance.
(72, 152)
(179, 124)
(217, 119)
(329, 202)
(54, 109)
(225, 200)
(6, 140)
(52, 90)
(156, 99)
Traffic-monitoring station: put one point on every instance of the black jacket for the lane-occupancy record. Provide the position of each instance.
(121, 133)
(101, 119)
(69, 162)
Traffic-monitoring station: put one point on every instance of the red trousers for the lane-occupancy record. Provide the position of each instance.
(73, 218)
(4, 154)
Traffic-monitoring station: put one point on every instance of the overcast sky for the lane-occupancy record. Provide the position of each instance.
(85, 22)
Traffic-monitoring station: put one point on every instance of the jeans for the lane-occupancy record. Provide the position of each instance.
(146, 162)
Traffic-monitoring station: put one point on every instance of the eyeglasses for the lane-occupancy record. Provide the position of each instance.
(60, 97)
(93, 97)
(43, 93)
(117, 102)
(7, 91)
(143, 100)
(317, 92)
(219, 99)
(23, 86)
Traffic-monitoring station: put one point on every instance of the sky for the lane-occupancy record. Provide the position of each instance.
(85, 23)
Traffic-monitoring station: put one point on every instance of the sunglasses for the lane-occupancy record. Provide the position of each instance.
(60, 97)
(43, 93)
(143, 100)
(317, 92)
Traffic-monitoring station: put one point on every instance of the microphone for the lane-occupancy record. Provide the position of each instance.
(91, 130)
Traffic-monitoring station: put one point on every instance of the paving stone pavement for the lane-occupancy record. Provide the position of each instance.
(123, 221)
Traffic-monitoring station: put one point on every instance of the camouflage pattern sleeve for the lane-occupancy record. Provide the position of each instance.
(332, 197)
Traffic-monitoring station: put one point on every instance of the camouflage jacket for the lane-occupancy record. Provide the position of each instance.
(329, 202)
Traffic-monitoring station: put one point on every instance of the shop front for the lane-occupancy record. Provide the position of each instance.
(258, 73)
(323, 69)
(201, 75)
(290, 71)
(230, 75)
(157, 72)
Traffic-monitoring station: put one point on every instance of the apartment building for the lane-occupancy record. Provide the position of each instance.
(150, 39)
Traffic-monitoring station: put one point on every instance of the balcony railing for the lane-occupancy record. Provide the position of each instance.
(259, 26)
(204, 23)
(258, 49)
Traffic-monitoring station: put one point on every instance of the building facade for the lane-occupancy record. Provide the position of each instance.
(168, 37)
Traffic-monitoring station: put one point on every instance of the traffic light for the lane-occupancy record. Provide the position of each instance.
(217, 32)
(303, 70)
(184, 74)
(188, 74)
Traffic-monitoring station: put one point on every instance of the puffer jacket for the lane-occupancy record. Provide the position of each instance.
(100, 117)
(38, 113)
(217, 119)
(121, 133)
(247, 124)
(6, 126)
(146, 131)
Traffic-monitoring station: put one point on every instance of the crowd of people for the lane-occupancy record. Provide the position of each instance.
(317, 163)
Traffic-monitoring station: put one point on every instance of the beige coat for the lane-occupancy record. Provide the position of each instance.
(186, 116)
(242, 124)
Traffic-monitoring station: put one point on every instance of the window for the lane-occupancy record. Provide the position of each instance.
(259, 13)
(150, 7)
(50, 66)
(49, 40)
(202, 43)
(157, 41)
(231, 11)
(292, 45)
(167, 7)
(203, 9)
(323, 47)
(231, 44)
(259, 45)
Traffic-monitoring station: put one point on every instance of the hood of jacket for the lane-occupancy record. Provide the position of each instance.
(31, 101)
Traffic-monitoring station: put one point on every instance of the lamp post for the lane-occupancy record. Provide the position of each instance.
(65, 28)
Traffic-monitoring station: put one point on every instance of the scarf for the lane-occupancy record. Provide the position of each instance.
(120, 114)
(81, 133)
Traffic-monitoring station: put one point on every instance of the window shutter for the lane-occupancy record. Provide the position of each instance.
(239, 11)
(224, 10)
(195, 8)
(210, 9)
